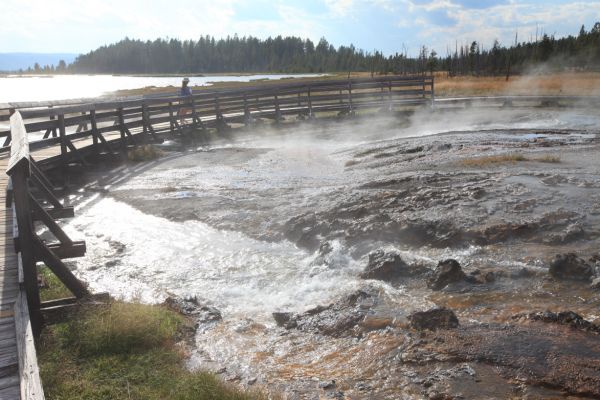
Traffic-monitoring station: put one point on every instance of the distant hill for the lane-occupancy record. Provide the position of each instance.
(16, 61)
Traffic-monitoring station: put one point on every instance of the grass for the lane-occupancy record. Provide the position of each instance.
(52, 288)
(146, 152)
(124, 351)
(556, 83)
(506, 158)
(496, 159)
(564, 83)
(548, 158)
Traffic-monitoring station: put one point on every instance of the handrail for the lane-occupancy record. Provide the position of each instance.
(208, 90)
(213, 108)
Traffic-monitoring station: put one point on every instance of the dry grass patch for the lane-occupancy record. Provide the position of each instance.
(496, 159)
(146, 152)
(548, 158)
(552, 84)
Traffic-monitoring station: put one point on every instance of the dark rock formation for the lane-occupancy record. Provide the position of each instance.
(538, 354)
(284, 319)
(569, 318)
(569, 266)
(387, 266)
(434, 319)
(191, 307)
(446, 272)
(342, 318)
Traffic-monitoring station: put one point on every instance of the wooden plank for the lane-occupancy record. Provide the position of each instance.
(11, 381)
(31, 384)
(19, 149)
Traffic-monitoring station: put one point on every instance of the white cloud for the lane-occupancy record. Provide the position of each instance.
(340, 8)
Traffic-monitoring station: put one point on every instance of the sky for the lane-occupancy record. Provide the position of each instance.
(78, 26)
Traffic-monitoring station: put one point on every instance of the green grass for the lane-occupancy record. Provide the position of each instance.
(124, 351)
(52, 288)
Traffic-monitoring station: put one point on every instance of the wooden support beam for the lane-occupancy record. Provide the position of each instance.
(46, 192)
(58, 302)
(63, 273)
(98, 136)
(35, 170)
(72, 250)
(82, 126)
(76, 152)
(47, 220)
(56, 213)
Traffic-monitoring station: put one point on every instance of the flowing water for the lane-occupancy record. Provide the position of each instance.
(216, 223)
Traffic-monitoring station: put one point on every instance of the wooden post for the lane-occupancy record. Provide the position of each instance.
(94, 131)
(310, 112)
(171, 123)
(351, 108)
(218, 115)
(52, 117)
(144, 122)
(390, 95)
(432, 92)
(63, 141)
(26, 233)
(277, 110)
(247, 116)
(122, 129)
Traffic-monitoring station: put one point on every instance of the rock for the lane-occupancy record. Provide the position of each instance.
(446, 272)
(323, 254)
(387, 266)
(569, 318)
(570, 267)
(327, 384)
(573, 232)
(284, 319)
(341, 318)
(595, 284)
(190, 306)
(208, 314)
(434, 319)
(522, 273)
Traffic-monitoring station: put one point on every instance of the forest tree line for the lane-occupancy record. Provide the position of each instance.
(297, 55)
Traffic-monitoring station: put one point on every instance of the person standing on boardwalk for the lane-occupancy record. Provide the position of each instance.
(187, 92)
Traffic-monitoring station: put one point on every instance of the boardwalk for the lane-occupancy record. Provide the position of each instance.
(9, 363)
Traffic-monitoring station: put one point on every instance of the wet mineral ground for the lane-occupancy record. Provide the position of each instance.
(444, 257)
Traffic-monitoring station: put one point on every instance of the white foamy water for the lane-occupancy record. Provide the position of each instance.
(134, 255)
(15, 88)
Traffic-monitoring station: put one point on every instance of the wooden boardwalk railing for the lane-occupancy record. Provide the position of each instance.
(64, 124)
(73, 133)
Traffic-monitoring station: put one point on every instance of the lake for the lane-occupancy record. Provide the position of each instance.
(16, 88)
